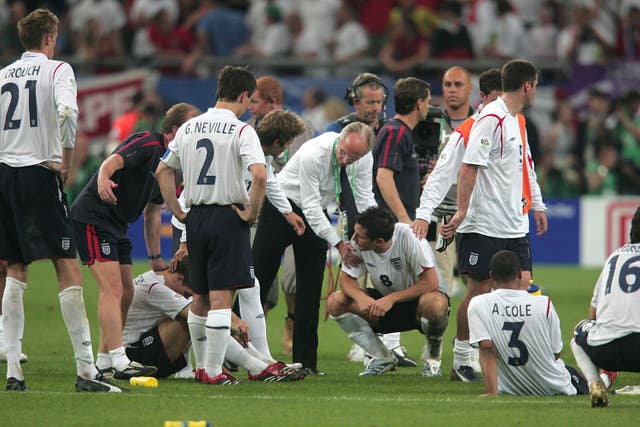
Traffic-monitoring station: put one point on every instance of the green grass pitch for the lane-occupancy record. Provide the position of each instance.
(399, 398)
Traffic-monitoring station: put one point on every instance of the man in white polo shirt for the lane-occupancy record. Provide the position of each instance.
(327, 167)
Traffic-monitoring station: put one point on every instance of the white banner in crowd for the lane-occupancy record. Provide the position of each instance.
(103, 98)
(605, 223)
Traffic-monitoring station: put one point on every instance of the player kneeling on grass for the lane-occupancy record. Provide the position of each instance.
(610, 339)
(519, 337)
(156, 331)
(405, 294)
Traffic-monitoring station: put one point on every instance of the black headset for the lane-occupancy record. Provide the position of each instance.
(351, 95)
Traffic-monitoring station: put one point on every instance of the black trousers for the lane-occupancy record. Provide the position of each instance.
(273, 235)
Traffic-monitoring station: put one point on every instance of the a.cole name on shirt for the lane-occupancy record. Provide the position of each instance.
(16, 73)
(512, 310)
(210, 127)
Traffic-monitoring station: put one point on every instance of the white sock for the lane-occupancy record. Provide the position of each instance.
(198, 334)
(75, 318)
(255, 353)
(119, 358)
(218, 332)
(1, 334)
(462, 353)
(187, 358)
(391, 340)
(360, 332)
(103, 361)
(252, 313)
(13, 325)
(589, 370)
(241, 357)
(434, 331)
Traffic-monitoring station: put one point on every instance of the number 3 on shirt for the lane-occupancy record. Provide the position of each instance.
(515, 328)
(203, 178)
(14, 91)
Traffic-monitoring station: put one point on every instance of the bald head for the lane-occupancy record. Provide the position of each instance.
(456, 89)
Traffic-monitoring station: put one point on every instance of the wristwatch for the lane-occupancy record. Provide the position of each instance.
(154, 257)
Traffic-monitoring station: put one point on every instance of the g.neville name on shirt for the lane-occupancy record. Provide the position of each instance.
(210, 127)
(512, 310)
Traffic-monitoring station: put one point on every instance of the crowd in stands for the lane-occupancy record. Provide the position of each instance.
(401, 33)
(591, 151)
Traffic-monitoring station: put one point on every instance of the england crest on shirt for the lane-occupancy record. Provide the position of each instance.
(473, 258)
(396, 263)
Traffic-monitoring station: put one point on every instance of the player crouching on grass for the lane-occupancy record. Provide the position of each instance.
(156, 331)
(405, 294)
(610, 339)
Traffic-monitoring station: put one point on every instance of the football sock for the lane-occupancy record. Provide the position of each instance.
(360, 332)
(255, 353)
(198, 337)
(589, 370)
(13, 324)
(103, 361)
(75, 318)
(187, 358)
(1, 333)
(119, 358)
(434, 331)
(462, 353)
(252, 313)
(239, 355)
(218, 330)
(391, 340)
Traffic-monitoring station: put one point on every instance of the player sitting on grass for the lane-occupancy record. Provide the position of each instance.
(156, 331)
(405, 294)
(519, 337)
(610, 339)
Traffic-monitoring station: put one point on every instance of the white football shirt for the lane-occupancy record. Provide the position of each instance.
(213, 150)
(525, 331)
(399, 267)
(152, 302)
(616, 297)
(38, 110)
(495, 145)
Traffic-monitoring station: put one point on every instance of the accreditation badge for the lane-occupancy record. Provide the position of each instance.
(343, 225)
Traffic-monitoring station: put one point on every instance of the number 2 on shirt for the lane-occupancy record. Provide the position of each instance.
(203, 178)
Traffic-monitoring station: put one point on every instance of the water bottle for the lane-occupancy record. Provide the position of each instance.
(187, 424)
(533, 289)
(143, 382)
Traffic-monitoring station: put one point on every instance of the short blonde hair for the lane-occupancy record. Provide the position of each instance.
(279, 125)
(33, 27)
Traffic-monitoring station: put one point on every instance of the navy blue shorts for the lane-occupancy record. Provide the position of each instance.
(102, 243)
(219, 250)
(34, 215)
(475, 252)
(621, 354)
(403, 316)
(149, 350)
